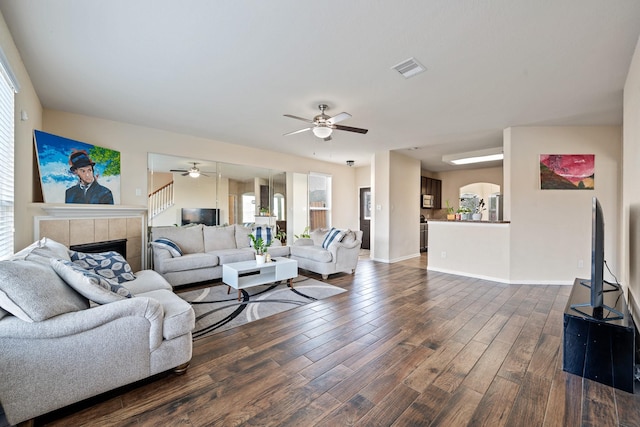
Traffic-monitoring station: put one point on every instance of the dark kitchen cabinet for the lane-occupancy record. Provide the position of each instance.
(432, 187)
(424, 236)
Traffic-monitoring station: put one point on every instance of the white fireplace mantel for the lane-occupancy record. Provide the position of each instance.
(91, 211)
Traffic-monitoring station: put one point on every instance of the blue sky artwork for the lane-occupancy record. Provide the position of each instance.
(53, 162)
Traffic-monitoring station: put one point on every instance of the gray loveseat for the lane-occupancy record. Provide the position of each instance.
(57, 348)
(339, 255)
(202, 250)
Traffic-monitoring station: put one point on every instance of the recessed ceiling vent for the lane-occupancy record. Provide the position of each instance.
(409, 68)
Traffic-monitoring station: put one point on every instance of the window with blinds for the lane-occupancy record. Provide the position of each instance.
(8, 88)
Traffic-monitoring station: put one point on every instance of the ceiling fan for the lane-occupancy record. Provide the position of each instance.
(323, 125)
(193, 172)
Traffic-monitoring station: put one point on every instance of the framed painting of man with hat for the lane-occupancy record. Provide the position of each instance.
(77, 172)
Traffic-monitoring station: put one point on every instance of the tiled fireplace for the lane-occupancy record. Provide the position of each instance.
(76, 225)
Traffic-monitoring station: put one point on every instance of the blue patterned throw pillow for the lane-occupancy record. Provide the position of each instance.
(333, 235)
(110, 265)
(88, 284)
(168, 244)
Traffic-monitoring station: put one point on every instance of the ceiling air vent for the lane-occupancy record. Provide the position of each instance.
(409, 68)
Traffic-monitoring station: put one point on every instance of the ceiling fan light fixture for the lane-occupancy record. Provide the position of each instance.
(194, 173)
(322, 132)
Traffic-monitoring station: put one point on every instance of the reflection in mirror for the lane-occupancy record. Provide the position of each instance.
(239, 194)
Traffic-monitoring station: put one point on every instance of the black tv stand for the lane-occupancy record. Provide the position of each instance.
(599, 344)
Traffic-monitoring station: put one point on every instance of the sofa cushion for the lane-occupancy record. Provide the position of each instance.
(219, 237)
(334, 235)
(110, 265)
(42, 251)
(90, 284)
(148, 280)
(279, 251)
(350, 236)
(226, 256)
(33, 292)
(179, 318)
(187, 262)
(242, 236)
(189, 239)
(318, 236)
(313, 253)
(168, 244)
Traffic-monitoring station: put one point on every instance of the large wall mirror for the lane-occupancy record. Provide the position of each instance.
(184, 190)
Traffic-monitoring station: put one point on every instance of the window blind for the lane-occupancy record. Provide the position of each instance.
(7, 95)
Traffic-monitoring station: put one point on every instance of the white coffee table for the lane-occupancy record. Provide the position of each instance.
(245, 274)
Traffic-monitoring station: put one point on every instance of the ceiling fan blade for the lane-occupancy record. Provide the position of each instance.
(297, 131)
(298, 118)
(350, 129)
(178, 170)
(327, 138)
(338, 118)
(185, 174)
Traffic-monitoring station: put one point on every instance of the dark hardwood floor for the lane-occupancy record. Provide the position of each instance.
(403, 347)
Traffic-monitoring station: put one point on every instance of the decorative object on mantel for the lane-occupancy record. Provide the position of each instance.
(567, 171)
(69, 170)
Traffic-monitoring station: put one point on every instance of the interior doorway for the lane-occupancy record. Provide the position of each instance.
(365, 216)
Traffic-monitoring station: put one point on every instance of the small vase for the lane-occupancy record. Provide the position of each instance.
(260, 259)
(476, 216)
(451, 217)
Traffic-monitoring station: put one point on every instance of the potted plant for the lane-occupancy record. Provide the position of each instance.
(304, 235)
(477, 212)
(260, 246)
(282, 236)
(465, 213)
(451, 214)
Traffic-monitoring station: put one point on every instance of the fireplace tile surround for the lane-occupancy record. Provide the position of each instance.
(74, 225)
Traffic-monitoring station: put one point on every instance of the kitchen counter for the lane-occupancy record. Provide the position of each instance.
(454, 221)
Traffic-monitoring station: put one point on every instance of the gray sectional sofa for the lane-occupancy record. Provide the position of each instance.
(58, 348)
(202, 250)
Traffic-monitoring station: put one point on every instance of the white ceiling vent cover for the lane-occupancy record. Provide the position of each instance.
(409, 68)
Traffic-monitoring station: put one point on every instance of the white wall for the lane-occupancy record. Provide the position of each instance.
(395, 224)
(550, 230)
(631, 178)
(404, 207)
(478, 250)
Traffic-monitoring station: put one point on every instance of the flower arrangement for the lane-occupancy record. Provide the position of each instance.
(479, 207)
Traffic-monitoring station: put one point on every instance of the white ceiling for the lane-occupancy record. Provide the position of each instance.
(229, 70)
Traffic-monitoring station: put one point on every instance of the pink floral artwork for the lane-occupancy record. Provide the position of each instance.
(567, 171)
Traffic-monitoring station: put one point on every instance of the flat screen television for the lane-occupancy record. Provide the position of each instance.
(595, 308)
(206, 216)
